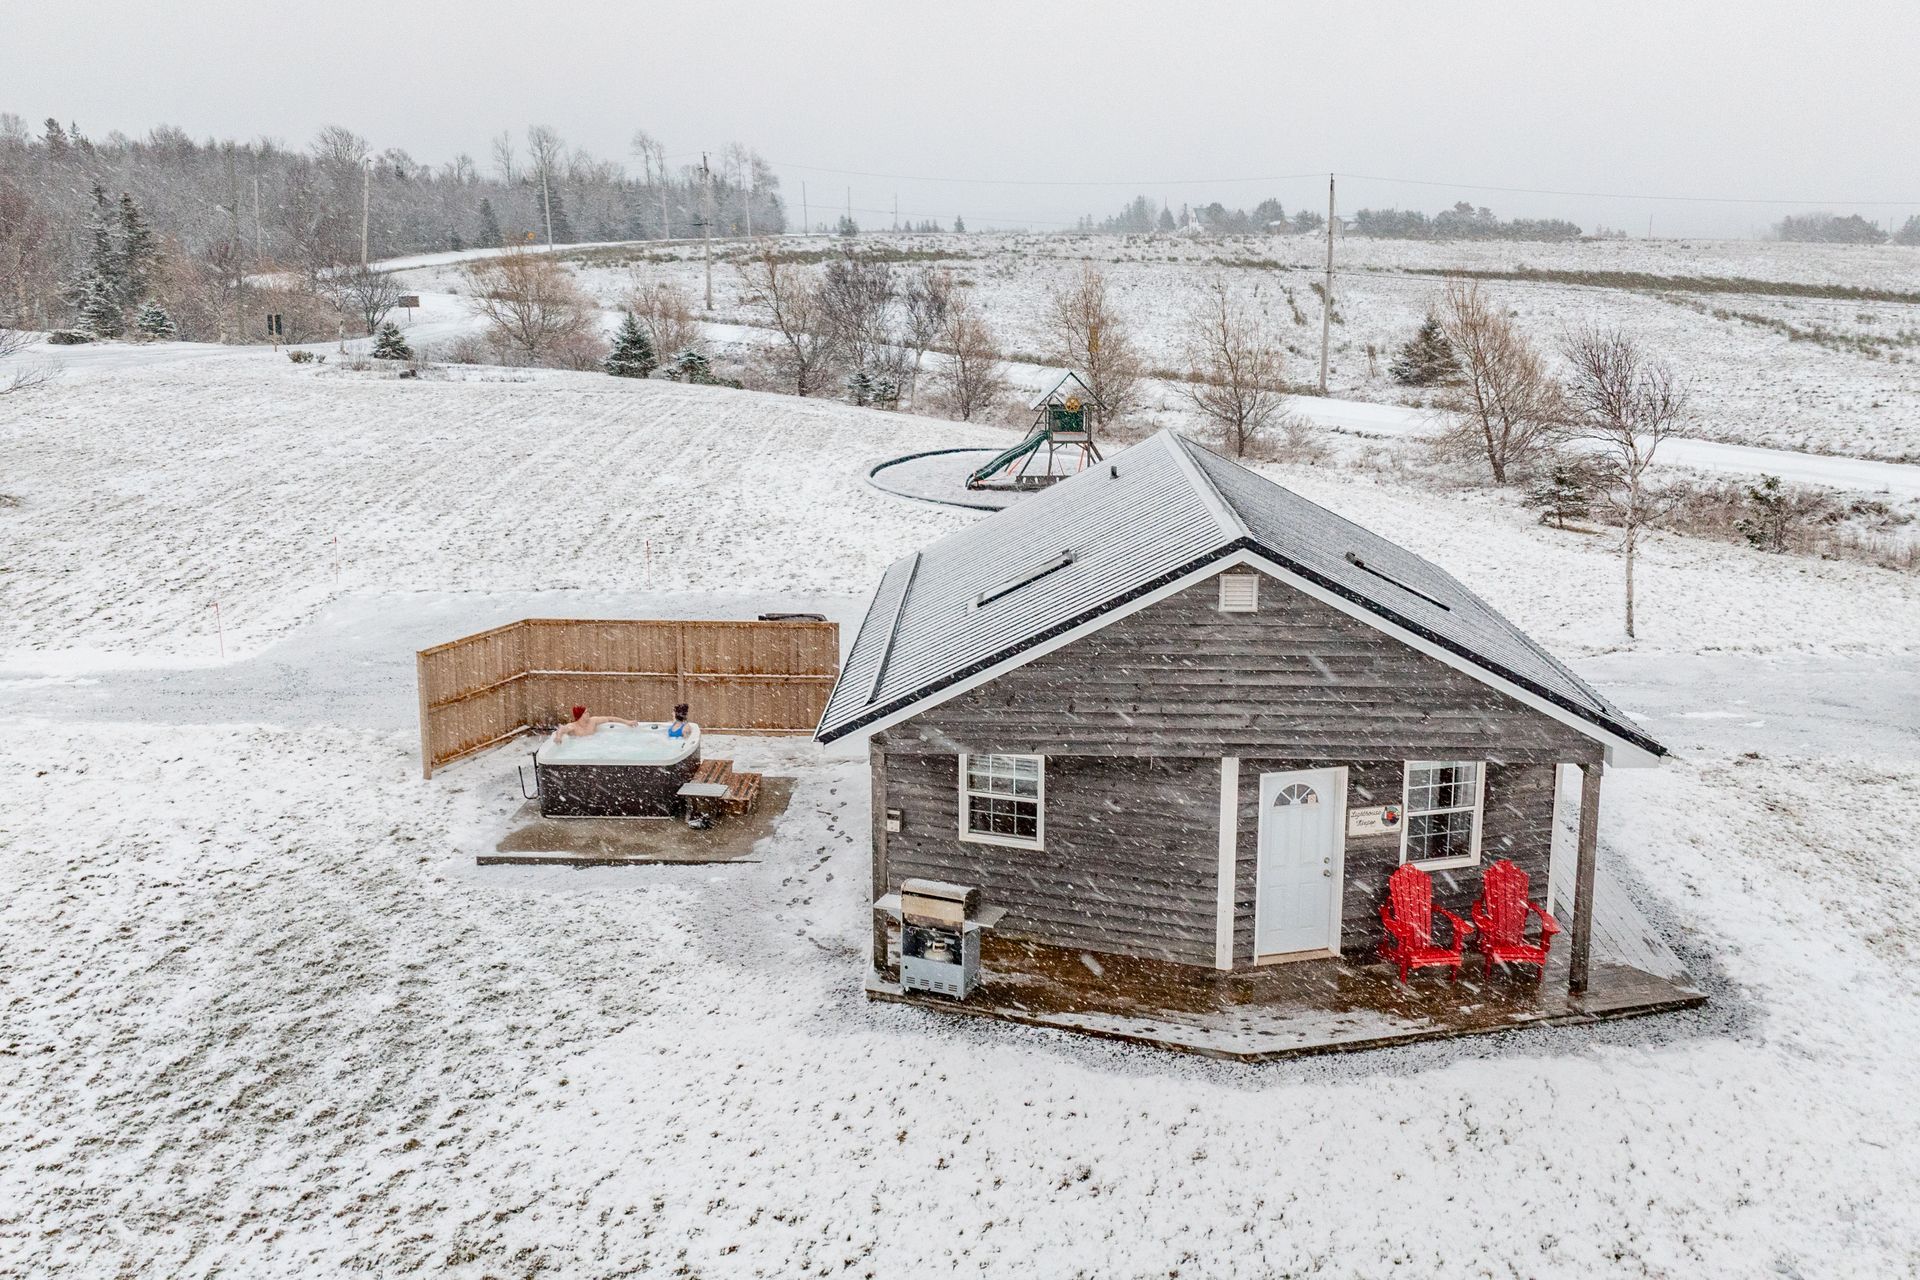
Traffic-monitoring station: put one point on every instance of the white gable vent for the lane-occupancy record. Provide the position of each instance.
(1239, 593)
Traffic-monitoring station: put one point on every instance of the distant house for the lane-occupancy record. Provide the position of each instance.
(1169, 709)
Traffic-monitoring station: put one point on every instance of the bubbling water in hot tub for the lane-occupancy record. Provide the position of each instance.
(619, 744)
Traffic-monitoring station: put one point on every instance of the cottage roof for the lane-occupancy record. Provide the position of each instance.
(1071, 558)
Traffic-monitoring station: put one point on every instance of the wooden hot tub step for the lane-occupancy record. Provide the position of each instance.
(744, 793)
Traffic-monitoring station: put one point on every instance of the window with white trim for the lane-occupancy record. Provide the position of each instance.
(1239, 593)
(1001, 798)
(1442, 823)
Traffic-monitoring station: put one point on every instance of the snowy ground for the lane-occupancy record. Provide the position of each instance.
(1827, 375)
(264, 1016)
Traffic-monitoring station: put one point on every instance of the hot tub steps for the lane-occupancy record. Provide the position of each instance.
(743, 789)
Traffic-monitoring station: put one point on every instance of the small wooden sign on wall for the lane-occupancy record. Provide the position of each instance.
(1377, 820)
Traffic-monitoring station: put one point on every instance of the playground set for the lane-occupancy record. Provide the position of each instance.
(1058, 445)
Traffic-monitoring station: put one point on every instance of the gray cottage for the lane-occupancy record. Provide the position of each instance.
(1170, 711)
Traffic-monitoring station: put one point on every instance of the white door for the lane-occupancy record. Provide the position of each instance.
(1297, 901)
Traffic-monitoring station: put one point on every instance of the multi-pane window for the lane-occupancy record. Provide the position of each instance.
(1000, 799)
(1442, 812)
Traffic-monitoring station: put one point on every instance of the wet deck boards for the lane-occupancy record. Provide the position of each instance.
(1313, 1006)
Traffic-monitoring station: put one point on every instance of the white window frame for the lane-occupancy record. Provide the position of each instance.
(1253, 585)
(1478, 810)
(1040, 806)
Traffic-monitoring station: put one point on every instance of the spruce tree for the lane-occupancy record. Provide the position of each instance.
(389, 345)
(691, 366)
(1427, 359)
(562, 228)
(454, 242)
(632, 355)
(490, 235)
(154, 324)
(139, 254)
(1562, 493)
(860, 387)
(99, 309)
(959, 225)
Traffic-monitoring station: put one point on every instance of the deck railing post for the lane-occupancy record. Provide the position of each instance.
(1582, 940)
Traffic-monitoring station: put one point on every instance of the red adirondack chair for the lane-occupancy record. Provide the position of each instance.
(1408, 915)
(1500, 915)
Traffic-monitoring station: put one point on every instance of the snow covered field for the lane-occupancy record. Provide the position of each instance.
(264, 1016)
(1830, 375)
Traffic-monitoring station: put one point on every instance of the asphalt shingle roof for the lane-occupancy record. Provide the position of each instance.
(1145, 517)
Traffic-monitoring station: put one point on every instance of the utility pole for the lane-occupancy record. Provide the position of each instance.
(806, 223)
(259, 254)
(1326, 293)
(366, 188)
(896, 211)
(749, 205)
(706, 225)
(546, 201)
(849, 206)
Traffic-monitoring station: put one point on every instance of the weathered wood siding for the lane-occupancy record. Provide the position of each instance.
(1182, 678)
(1516, 823)
(1131, 858)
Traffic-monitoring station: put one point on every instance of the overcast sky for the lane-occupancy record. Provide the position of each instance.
(1762, 101)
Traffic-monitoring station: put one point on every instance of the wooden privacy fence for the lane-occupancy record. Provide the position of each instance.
(737, 677)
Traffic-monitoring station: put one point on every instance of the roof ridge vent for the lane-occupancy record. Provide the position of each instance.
(1364, 567)
(1012, 585)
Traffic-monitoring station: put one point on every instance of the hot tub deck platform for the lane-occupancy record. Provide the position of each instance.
(534, 841)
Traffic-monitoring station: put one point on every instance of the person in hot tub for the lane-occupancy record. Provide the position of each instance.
(681, 726)
(585, 726)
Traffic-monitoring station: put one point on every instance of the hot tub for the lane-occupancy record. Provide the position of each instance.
(619, 772)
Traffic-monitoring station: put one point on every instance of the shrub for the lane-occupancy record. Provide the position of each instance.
(305, 357)
(68, 337)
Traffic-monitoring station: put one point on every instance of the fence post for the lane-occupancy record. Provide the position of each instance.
(426, 722)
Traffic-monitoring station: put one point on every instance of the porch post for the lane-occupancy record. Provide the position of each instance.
(877, 762)
(1582, 942)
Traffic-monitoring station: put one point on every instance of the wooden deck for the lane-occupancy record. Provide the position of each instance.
(1313, 1006)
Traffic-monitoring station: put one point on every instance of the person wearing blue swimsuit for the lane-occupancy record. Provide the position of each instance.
(679, 727)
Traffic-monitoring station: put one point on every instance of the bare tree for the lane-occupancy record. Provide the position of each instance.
(532, 307)
(858, 296)
(505, 163)
(1507, 403)
(789, 297)
(1087, 334)
(925, 298)
(548, 150)
(973, 373)
(366, 293)
(1626, 402)
(1235, 367)
(19, 378)
(665, 311)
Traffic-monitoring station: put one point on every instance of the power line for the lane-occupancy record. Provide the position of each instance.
(1361, 177)
(1044, 182)
(1617, 195)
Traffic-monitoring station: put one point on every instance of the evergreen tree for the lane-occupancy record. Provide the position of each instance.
(1909, 232)
(632, 355)
(99, 309)
(860, 387)
(389, 345)
(691, 366)
(1770, 513)
(1563, 493)
(959, 225)
(1166, 219)
(139, 254)
(154, 324)
(1427, 359)
(454, 242)
(562, 229)
(847, 226)
(490, 235)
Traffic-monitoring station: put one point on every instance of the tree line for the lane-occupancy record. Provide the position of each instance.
(223, 210)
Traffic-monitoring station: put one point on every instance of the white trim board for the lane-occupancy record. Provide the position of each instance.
(1619, 752)
(1229, 862)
